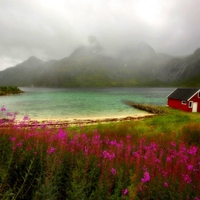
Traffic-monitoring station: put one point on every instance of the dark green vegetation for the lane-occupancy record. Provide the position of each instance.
(7, 90)
(146, 107)
(155, 158)
(90, 67)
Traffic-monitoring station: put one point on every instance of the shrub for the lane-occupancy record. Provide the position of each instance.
(191, 133)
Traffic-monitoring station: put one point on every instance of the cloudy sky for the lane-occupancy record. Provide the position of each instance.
(52, 29)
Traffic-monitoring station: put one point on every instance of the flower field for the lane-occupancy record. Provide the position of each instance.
(47, 162)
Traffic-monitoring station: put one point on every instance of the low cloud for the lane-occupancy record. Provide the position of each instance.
(53, 29)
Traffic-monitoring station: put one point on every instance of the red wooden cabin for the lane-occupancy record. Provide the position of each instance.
(186, 99)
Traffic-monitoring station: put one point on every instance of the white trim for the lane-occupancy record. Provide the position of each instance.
(199, 95)
(193, 95)
(171, 92)
(190, 102)
(183, 102)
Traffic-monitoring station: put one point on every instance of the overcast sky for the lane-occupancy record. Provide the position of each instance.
(52, 29)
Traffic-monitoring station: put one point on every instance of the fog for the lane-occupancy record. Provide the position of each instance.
(52, 29)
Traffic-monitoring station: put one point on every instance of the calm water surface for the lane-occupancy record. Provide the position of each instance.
(48, 103)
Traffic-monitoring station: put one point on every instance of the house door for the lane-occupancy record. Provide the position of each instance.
(194, 107)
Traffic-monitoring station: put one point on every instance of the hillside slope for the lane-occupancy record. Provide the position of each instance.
(90, 67)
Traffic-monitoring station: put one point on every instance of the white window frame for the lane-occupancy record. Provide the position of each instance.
(190, 104)
(183, 102)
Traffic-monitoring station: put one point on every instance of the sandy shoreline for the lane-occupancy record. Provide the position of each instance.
(75, 121)
(88, 121)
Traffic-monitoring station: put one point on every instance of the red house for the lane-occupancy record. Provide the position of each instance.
(186, 99)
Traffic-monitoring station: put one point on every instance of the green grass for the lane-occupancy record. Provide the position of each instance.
(102, 161)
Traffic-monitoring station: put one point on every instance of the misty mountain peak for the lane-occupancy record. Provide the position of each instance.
(33, 61)
(197, 51)
(86, 51)
(145, 48)
(80, 51)
(32, 58)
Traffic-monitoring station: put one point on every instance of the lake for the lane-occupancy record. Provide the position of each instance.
(71, 103)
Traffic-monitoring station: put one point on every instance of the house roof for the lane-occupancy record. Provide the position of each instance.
(183, 93)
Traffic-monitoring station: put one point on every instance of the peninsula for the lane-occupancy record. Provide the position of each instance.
(8, 90)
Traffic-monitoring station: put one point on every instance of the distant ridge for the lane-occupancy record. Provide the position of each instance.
(88, 66)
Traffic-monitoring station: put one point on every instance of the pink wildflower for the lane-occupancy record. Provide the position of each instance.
(95, 131)
(9, 114)
(144, 168)
(128, 137)
(108, 155)
(187, 178)
(113, 142)
(166, 184)
(19, 144)
(12, 139)
(196, 198)
(51, 150)
(192, 150)
(168, 159)
(146, 177)
(173, 144)
(3, 109)
(61, 134)
(125, 192)
(85, 151)
(114, 171)
(190, 167)
(26, 118)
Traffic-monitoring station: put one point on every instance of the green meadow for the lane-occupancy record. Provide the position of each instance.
(151, 158)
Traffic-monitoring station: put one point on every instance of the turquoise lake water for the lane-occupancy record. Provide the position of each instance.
(67, 103)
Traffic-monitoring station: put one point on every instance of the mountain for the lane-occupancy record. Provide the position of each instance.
(182, 71)
(89, 66)
(84, 67)
(23, 74)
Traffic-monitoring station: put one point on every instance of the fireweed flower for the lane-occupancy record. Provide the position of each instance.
(125, 192)
(166, 184)
(51, 150)
(144, 168)
(3, 109)
(12, 139)
(128, 137)
(146, 177)
(187, 178)
(19, 144)
(85, 151)
(190, 167)
(114, 171)
(173, 144)
(192, 150)
(9, 114)
(26, 118)
(108, 155)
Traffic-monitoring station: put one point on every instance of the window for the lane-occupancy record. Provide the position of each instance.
(183, 102)
(199, 95)
(190, 104)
